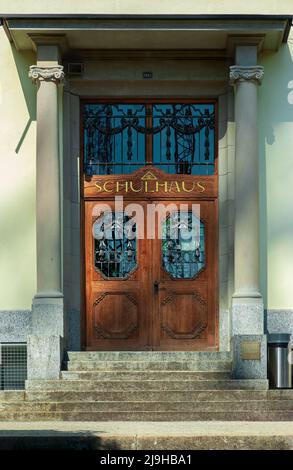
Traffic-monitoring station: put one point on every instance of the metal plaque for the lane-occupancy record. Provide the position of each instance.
(250, 350)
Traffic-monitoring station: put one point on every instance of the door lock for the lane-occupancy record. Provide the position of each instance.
(156, 286)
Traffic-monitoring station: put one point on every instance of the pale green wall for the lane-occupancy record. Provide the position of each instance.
(276, 166)
(277, 7)
(17, 179)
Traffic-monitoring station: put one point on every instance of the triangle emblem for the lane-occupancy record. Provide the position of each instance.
(149, 176)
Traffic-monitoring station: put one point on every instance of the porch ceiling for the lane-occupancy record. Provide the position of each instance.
(153, 34)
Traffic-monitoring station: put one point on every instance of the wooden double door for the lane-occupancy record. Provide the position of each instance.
(153, 285)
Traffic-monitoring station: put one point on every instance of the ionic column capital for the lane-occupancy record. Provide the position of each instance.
(48, 74)
(245, 73)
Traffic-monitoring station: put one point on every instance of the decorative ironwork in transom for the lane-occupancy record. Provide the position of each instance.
(179, 138)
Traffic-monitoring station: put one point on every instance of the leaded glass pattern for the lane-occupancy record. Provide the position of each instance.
(179, 138)
(183, 245)
(115, 245)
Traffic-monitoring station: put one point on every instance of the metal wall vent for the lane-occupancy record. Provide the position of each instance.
(13, 366)
(74, 68)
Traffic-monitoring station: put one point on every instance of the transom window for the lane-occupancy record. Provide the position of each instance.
(119, 138)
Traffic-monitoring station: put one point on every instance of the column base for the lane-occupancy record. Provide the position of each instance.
(247, 316)
(48, 315)
(44, 357)
(249, 356)
(46, 342)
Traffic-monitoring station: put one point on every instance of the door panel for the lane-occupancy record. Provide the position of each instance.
(162, 296)
(185, 299)
(116, 308)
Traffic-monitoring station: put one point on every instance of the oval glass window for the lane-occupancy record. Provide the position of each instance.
(115, 245)
(183, 245)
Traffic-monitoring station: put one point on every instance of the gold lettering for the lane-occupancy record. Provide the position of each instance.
(147, 188)
(177, 187)
(121, 185)
(200, 187)
(164, 185)
(98, 186)
(134, 189)
(105, 187)
(185, 188)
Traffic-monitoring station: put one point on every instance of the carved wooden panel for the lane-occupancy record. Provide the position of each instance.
(183, 315)
(115, 315)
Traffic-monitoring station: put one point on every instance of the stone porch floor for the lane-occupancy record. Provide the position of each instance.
(200, 435)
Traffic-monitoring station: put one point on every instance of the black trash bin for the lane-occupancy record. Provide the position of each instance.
(279, 363)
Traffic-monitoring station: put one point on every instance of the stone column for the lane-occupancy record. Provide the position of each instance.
(247, 303)
(44, 345)
(48, 182)
(246, 80)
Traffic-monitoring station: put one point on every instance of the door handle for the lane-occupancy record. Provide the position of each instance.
(156, 286)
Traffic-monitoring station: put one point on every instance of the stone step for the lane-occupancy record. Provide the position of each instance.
(149, 416)
(144, 375)
(281, 394)
(11, 395)
(103, 385)
(154, 406)
(148, 356)
(142, 395)
(199, 365)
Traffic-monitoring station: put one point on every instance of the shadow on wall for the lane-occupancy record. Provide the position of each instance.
(23, 60)
(17, 205)
(275, 109)
(275, 97)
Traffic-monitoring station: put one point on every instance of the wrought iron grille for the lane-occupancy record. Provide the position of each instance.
(115, 245)
(114, 138)
(183, 245)
(120, 138)
(13, 366)
(183, 138)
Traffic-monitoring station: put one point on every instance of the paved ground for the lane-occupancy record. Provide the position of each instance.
(200, 428)
(147, 435)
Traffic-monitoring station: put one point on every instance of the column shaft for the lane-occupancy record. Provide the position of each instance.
(48, 192)
(48, 201)
(246, 237)
(246, 191)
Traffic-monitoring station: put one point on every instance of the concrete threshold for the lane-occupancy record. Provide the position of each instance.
(200, 435)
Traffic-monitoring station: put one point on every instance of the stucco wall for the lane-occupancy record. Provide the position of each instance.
(276, 168)
(17, 157)
(17, 179)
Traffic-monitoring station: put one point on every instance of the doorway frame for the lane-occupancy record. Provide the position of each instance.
(143, 100)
